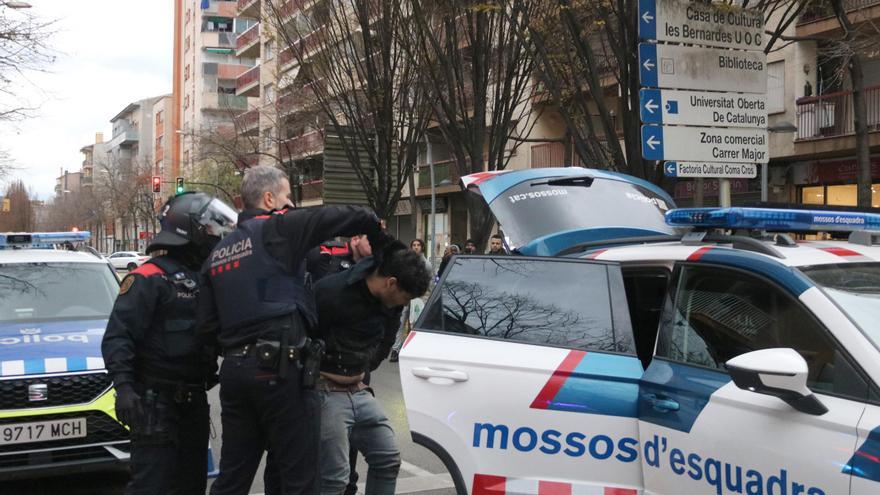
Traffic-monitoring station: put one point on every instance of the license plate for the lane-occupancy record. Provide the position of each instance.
(42, 431)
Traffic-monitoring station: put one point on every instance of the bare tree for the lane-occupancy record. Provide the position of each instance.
(20, 217)
(24, 48)
(369, 91)
(480, 74)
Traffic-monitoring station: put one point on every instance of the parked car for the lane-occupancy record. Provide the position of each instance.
(127, 260)
(57, 406)
(630, 347)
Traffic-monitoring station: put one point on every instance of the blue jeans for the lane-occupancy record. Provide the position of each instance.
(357, 418)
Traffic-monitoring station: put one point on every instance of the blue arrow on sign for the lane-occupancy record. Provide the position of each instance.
(670, 169)
(648, 64)
(652, 142)
(648, 19)
(650, 106)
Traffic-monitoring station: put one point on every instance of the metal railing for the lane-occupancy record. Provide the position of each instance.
(248, 78)
(817, 11)
(312, 190)
(298, 146)
(246, 38)
(443, 170)
(831, 115)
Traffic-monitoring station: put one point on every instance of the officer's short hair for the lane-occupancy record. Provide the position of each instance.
(497, 236)
(409, 268)
(258, 180)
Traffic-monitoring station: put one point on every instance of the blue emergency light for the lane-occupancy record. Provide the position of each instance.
(41, 240)
(773, 220)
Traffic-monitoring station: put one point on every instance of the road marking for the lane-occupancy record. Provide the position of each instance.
(417, 484)
(414, 470)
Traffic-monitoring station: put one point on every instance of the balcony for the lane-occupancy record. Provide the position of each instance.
(247, 45)
(249, 9)
(125, 138)
(820, 19)
(247, 161)
(446, 170)
(231, 71)
(218, 40)
(299, 147)
(312, 190)
(296, 100)
(223, 102)
(86, 181)
(248, 123)
(825, 123)
(248, 84)
(307, 44)
(221, 9)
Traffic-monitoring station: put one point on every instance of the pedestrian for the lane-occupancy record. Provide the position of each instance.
(255, 303)
(417, 246)
(470, 247)
(358, 317)
(496, 245)
(451, 250)
(153, 354)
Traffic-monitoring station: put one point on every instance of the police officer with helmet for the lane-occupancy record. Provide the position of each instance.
(255, 302)
(153, 353)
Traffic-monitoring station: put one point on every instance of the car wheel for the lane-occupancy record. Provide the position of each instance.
(131, 266)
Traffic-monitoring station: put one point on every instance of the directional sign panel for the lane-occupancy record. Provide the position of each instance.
(704, 144)
(725, 26)
(668, 106)
(711, 169)
(710, 69)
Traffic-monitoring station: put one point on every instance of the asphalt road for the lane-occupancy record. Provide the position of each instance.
(422, 471)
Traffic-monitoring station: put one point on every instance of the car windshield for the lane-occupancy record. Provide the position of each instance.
(856, 288)
(47, 291)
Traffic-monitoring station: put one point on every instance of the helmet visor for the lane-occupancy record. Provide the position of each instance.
(218, 218)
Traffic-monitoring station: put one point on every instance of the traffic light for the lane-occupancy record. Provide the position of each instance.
(157, 184)
(179, 185)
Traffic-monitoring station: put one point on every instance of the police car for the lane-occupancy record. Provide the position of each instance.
(56, 403)
(635, 348)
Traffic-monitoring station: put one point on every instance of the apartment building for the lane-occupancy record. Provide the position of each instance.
(95, 160)
(68, 183)
(206, 68)
(162, 149)
(816, 165)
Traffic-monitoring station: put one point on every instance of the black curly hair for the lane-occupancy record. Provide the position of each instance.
(408, 267)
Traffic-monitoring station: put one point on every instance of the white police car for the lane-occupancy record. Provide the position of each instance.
(636, 348)
(56, 403)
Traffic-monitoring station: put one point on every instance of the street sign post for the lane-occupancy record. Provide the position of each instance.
(709, 69)
(709, 144)
(710, 169)
(669, 106)
(724, 26)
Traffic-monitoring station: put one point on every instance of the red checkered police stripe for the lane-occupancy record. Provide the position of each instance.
(485, 484)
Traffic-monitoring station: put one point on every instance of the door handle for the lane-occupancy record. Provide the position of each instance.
(427, 373)
(661, 404)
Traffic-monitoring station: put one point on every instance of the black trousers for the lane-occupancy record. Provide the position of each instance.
(169, 450)
(261, 412)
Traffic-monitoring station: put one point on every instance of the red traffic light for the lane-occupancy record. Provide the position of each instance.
(157, 184)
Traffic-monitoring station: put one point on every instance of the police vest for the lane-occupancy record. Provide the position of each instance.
(251, 286)
(171, 351)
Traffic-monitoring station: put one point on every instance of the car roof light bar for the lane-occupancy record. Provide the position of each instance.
(772, 219)
(41, 240)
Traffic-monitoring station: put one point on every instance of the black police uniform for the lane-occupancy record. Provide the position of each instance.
(151, 344)
(254, 298)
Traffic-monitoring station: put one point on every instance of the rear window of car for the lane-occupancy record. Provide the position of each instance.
(56, 291)
(554, 302)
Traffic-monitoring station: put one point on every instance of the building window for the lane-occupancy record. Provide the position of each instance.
(159, 117)
(159, 141)
(186, 73)
(268, 51)
(218, 25)
(188, 15)
(776, 87)
(268, 94)
(186, 45)
(186, 156)
(267, 138)
(186, 101)
(837, 195)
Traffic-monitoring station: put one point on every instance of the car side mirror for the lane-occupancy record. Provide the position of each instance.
(778, 372)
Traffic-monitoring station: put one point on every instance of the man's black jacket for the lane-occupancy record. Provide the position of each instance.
(358, 330)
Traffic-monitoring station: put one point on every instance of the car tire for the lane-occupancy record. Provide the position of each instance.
(131, 266)
(445, 458)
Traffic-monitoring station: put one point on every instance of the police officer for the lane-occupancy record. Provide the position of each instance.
(255, 301)
(151, 350)
(334, 256)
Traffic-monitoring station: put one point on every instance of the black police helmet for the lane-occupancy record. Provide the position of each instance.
(193, 218)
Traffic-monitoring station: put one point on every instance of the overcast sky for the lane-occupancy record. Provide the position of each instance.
(111, 53)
